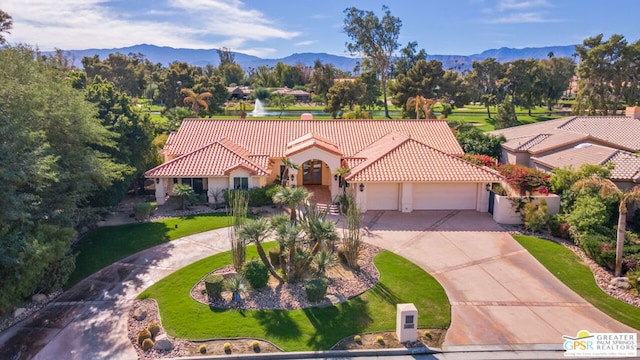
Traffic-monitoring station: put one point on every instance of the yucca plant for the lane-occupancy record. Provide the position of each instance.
(237, 285)
(324, 260)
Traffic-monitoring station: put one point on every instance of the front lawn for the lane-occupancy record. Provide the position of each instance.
(305, 329)
(568, 268)
(106, 245)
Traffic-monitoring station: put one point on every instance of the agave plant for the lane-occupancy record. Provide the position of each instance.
(237, 285)
(324, 260)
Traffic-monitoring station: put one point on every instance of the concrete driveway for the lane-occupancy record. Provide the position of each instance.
(500, 294)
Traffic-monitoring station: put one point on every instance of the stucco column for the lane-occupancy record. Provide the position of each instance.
(406, 203)
(160, 191)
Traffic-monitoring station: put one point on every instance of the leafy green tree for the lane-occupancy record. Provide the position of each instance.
(474, 141)
(344, 93)
(322, 79)
(506, 116)
(126, 72)
(53, 159)
(603, 70)
(231, 73)
(176, 115)
(423, 79)
(287, 75)
(179, 75)
(213, 85)
(371, 96)
(261, 93)
(6, 22)
(375, 38)
(556, 75)
(281, 101)
(485, 77)
(408, 58)
(524, 83)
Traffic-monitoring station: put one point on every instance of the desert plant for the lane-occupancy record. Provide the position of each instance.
(255, 344)
(316, 289)
(143, 210)
(143, 335)
(185, 193)
(380, 340)
(238, 203)
(257, 231)
(154, 329)
(357, 339)
(147, 344)
(227, 347)
(341, 257)
(213, 284)
(257, 273)
(535, 216)
(324, 260)
(237, 285)
(202, 349)
(351, 241)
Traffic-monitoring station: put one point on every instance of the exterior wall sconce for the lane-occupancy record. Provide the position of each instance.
(361, 187)
(487, 187)
(293, 177)
(335, 177)
(157, 180)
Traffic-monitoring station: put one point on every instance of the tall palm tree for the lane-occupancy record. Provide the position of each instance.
(185, 193)
(607, 188)
(196, 100)
(292, 198)
(257, 231)
(420, 103)
(289, 235)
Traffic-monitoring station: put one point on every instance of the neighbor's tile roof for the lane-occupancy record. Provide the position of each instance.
(626, 164)
(199, 163)
(270, 137)
(399, 158)
(617, 131)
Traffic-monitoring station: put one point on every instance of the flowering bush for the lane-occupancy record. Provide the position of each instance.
(481, 160)
(525, 179)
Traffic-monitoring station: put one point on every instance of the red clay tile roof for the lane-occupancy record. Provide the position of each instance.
(200, 163)
(398, 158)
(310, 140)
(270, 137)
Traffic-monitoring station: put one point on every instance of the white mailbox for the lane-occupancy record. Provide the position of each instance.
(406, 322)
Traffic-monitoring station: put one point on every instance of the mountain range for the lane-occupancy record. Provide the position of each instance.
(200, 57)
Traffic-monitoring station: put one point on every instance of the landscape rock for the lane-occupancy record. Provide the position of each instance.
(19, 311)
(39, 298)
(140, 314)
(620, 283)
(163, 343)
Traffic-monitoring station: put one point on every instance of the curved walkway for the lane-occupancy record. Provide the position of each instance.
(500, 295)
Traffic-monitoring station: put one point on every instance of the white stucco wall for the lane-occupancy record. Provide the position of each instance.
(504, 211)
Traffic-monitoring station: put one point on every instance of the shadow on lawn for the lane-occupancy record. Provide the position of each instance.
(386, 294)
(336, 322)
(278, 323)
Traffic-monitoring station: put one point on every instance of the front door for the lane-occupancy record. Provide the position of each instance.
(312, 172)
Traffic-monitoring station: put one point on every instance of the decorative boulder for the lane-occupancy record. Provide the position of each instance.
(39, 298)
(140, 314)
(19, 311)
(620, 283)
(163, 343)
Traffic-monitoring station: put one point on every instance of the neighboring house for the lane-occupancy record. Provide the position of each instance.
(573, 141)
(400, 165)
(299, 95)
(239, 92)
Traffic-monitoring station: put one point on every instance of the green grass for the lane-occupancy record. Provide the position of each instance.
(305, 329)
(106, 245)
(566, 266)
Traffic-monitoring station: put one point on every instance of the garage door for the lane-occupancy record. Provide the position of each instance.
(382, 196)
(444, 196)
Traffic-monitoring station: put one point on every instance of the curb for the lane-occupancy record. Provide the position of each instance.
(327, 354)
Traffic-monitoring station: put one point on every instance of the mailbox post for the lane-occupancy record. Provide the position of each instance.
(406, 322)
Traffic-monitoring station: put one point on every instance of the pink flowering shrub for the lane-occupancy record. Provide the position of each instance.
(525, 179)
(481, 160)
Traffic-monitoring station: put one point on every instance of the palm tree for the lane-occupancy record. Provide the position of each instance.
(608, 188)
(196, 100)
(292, 197)
(185, 193)
(289, 165)
(420, 103)
(257, 231)
(288, 236)
(240, 106)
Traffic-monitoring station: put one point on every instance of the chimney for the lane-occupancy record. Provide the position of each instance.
(633, 112)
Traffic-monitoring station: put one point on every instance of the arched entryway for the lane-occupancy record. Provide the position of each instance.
(312, 172)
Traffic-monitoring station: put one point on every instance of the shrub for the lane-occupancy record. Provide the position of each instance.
(259, 196)
(147, 344)
(358, 339)
(588, 215)
(481, 160)
(631, 262)
(316, 289)
(202, 349)
(213, 284)
(525, 179)
(255, 345)
(143, 210)
(274, 256)
(634, 278)
(380, 339)
(154, 329)
(535, 216)
(227, 347)
(256, 273)
(558, 227)
(608, 259)
(143, 335)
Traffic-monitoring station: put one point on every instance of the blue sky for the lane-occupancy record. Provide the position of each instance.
(277, 28)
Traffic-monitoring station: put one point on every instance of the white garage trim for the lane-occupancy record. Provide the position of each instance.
(445, 196)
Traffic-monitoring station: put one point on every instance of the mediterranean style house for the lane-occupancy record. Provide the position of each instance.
(576, 140)
(401, 165)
